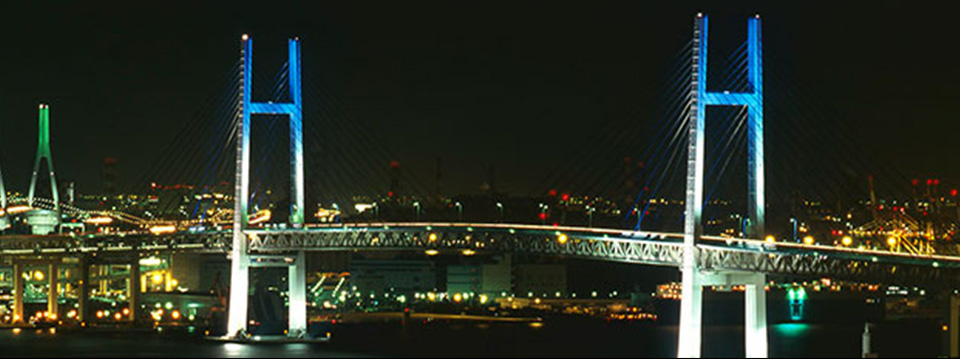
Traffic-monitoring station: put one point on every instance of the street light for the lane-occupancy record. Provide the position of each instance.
(793, 221)
(590, 210)
(417, 206)
(376, 211)
(459, 212)
(500, 207)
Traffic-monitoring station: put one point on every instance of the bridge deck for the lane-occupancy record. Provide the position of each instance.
(651, 248)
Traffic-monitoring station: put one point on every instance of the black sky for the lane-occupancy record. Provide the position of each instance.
(514, 84)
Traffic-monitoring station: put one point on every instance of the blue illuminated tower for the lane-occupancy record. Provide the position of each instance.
(693, 278)
(239, 283)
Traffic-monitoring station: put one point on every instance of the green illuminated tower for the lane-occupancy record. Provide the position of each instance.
(4, 221)
(43, 151)
(3, 193)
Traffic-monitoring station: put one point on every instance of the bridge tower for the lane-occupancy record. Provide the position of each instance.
(43, 221)
(4, 219)
(241, 260)
(693, 276)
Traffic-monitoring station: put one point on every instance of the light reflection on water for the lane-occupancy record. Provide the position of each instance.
(791, 330)
(24, 343)
(786, 340)
(234, 350)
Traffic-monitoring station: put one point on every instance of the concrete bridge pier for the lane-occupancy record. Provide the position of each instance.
(297, 280)
(83, 288)
(755, 318)
(53, 295)
(134, 289)
(296, 293)
(953, 326)
(18, 288)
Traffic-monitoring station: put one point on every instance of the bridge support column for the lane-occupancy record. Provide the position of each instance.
(83, 287)
(239, 295)
(297, 280)
(691, 304)
(18, 288)
(755, 300)
(53, 295)
(954, 326)
(134, 289)
(755, 323)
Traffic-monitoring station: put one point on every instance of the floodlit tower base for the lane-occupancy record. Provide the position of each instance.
(4, 223)
(42, 222)
(755, 318)
(297, 292)
(297, 280)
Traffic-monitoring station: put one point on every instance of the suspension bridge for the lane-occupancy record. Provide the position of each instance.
(745, 258)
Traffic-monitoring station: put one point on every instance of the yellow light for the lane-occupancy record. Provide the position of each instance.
(18, 209)
(71, 314)
(770, 238)
(118, 316)
(892, 241)
(38, 275)
(260, 217)
(433, 237)
(483, 299)
(945, 327)
(163, 229)
(432, 252)
(847, 241)
(99, 220)
(100, 314)
(126, 311)
(562, 238)
(175, 315)
(808, 240)
(468, 252)
(457, 297)
(157, 278)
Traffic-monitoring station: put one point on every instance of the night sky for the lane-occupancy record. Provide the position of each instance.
(513, 84)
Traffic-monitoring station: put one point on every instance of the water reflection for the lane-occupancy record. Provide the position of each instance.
(791, 330)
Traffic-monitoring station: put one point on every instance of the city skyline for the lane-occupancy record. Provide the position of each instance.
(528, 90)
(410, 179)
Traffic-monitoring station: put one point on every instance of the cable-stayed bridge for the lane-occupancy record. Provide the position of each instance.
(744, 258)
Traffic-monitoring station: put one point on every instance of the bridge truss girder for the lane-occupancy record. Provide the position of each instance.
(646, 249)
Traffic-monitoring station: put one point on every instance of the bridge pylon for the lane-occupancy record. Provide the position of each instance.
(4, 219)
(694, 277)
(43, 221)
(241, 261)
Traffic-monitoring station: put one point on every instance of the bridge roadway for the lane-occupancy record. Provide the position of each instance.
(717, 254)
